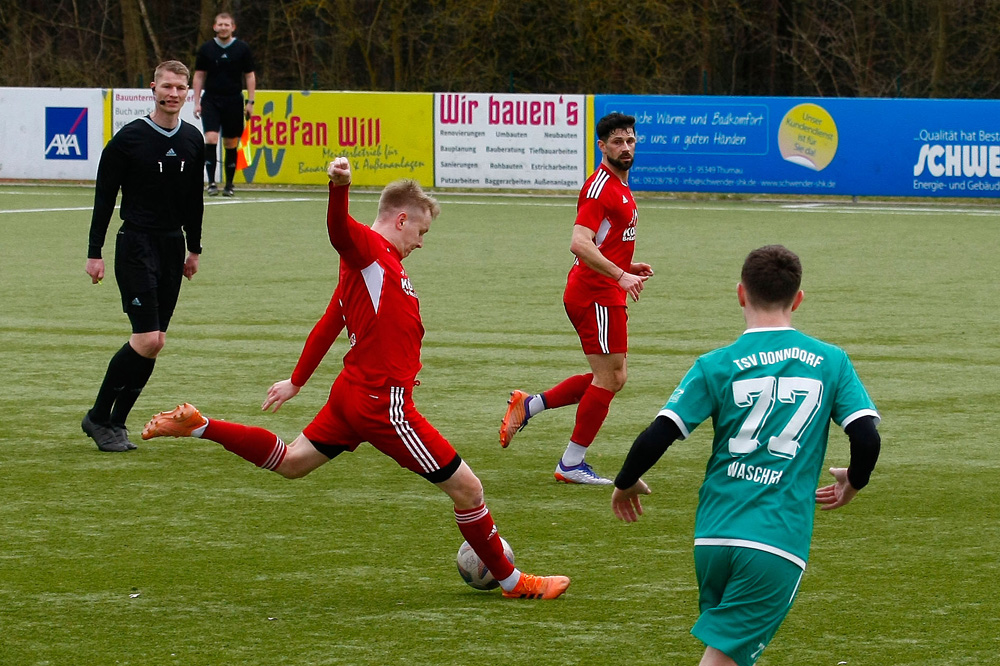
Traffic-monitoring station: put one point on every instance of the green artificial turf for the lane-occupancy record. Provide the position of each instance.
(182, 553)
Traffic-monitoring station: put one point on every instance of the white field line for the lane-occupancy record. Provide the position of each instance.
(569, 201)
(851, 209)
(207, 203)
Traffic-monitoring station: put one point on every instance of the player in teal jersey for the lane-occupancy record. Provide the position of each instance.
(771, 396)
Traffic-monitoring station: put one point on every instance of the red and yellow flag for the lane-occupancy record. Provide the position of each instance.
(243, 155)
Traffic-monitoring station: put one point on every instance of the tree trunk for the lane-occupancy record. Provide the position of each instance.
(15, 64)
(149, 29)
(206, 22)
(706, 48)
(395, 37)
(136, 63)
(940, 56)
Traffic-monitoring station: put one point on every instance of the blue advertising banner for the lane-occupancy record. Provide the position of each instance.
(796, 145)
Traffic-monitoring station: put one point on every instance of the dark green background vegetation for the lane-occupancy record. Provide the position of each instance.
(846, 48)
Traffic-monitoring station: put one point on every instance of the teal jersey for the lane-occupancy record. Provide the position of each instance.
(771, 396)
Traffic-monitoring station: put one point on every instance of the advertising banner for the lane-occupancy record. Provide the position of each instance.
(780, 145)
(127, 104)
(386, 136)
(296, 134)
(51, 133)
(498, 141)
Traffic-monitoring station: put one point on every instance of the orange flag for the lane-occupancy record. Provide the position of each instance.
(243, 156)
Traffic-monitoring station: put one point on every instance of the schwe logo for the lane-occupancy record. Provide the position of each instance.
(65, 133)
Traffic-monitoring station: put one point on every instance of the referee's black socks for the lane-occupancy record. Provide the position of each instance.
(230, 165)
(128, 371)
(211, 151)
(137, 373)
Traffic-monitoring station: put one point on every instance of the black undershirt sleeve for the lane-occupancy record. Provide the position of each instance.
(195, 200)
(110, 175)
(865, 446)
(646, 450)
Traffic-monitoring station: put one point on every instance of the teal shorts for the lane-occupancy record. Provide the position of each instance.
(744, 596)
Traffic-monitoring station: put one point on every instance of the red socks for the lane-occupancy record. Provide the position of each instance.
(477, 526)
(590, 414)
(568, 391)
(261, 447)
(592, 405)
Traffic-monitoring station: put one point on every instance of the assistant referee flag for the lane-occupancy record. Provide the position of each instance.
(243, 156)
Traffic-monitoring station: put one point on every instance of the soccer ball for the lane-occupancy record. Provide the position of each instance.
(473, 571)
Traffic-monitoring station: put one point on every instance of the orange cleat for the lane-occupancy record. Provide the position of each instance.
(538, 587)
(179, 422)
(516, 417)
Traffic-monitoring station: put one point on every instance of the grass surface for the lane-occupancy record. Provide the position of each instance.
(181, 553)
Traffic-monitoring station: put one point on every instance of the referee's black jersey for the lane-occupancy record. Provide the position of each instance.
(224, 66)
(160, 176)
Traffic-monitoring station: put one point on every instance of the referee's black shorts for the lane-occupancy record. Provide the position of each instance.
(225, 112)
(149, 268)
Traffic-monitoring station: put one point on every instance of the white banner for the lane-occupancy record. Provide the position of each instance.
(51, 133)
(506, 141)
(127, 104)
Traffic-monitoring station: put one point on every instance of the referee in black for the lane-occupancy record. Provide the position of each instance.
(220, 68)
(156, 162)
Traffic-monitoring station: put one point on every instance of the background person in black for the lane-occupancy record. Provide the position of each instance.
(156, 161)
(219, 70)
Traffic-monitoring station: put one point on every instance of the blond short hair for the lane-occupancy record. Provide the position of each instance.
(407, 193)
(173, 66)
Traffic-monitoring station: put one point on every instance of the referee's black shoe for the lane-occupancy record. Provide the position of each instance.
(104, 436)
(121, 432)
(213, 191)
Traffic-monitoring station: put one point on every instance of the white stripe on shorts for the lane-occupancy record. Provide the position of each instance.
(797, 583)
(406, 433)
(601, 312)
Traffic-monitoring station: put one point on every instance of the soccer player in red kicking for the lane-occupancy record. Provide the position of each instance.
(371, 400)
(602, 274)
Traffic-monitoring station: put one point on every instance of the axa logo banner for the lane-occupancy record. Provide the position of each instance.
(65, 133)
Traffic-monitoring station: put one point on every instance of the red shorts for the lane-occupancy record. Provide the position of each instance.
(603, 329)
(389, 421)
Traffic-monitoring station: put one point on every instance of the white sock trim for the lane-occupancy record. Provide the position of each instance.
(573, 455)
(534, 404)
(510, 582)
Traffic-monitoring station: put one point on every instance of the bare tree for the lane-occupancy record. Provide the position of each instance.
(136, 62)
(206, 18)
(906, 48)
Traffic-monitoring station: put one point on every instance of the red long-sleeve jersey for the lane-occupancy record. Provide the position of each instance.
(319, 341)
(379, 305)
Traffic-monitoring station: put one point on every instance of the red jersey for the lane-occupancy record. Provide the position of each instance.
(320, 340)
(379, 306)
(605, 205)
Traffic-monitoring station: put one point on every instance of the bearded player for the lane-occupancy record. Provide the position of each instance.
(595, 301)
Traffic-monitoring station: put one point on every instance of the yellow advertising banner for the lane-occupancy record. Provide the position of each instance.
(386, 136)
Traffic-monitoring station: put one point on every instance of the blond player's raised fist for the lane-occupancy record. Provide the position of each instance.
(339, 171)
